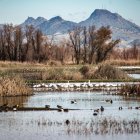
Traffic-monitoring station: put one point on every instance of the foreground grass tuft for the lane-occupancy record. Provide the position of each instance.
(13, 86)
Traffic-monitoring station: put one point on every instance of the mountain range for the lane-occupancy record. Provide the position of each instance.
(52, 26)
(122, 29)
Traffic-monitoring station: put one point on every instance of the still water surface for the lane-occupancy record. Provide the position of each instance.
(50, 125)
(135, 76)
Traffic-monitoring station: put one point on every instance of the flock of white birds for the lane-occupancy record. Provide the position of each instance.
(84, 85)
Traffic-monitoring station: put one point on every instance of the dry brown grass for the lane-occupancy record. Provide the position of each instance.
(13, 86)
(61, 74)
(121, 62)
(53, 74)
(73, 76)
(18, 65)
(54, 63)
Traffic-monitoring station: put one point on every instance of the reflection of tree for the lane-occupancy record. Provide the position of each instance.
(13, 100)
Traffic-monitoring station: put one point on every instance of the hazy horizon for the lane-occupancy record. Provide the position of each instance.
(15, 11)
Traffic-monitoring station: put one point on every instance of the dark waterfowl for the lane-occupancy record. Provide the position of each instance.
(66, 110)
(16, 106)
(60, 110)
(109, 101)
(58, 106)
(73, 102)
(137, 107)
(95, 114)
(102, 108)
(5, 106)
(67, 122)
(120, 108)
(47, 106)
(96, 110)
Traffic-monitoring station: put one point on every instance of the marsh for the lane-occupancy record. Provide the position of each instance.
(112, 123)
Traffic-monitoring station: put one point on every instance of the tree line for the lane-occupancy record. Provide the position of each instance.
(29, 44)
(15, 45)
(85, 45)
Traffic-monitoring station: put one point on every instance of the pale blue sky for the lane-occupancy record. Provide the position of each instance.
(16, 11)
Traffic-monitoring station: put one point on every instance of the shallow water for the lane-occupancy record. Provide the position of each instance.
(135, 76)
(50, 125)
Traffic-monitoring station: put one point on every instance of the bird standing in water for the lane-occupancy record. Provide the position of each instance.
(102, 108)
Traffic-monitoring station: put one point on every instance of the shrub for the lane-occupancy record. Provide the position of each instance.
(106, 71)
(13, 86)
(84, 70)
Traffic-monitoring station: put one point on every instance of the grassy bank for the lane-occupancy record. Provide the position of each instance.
(13, 73)
(36, 72)
(32, 72)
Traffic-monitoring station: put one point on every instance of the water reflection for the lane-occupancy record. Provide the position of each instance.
(20, 100)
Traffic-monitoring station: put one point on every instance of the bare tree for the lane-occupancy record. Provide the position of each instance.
(8, 40)
(29, 34)
(2, 45)
(134, 51)
(18, 43)
(85, 45)
(92, 44)
(37, 44)
(75, 38)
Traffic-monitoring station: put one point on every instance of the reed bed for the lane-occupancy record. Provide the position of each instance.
(20, 100)
(13, 86)
(103, 126)
(130, 89)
